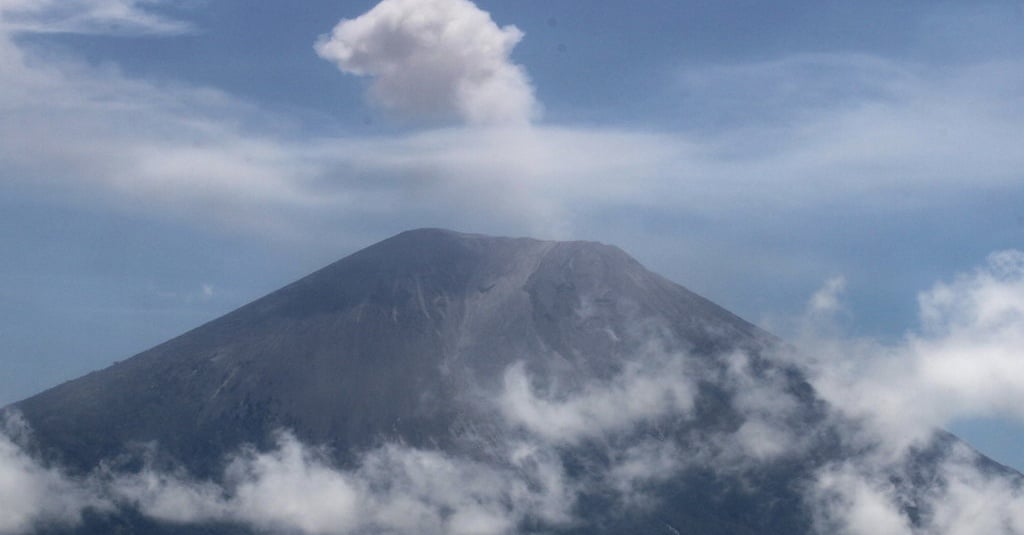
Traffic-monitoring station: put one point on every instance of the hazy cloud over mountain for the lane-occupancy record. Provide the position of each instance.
(767, 169)
(899, 392)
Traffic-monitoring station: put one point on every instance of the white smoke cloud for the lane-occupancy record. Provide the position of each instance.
(207, 158)
(435, 58)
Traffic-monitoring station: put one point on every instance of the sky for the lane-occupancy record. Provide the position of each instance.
(162, 163)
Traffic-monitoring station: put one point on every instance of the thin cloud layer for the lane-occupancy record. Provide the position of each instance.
(880, 130)
(104, 17)
(200, 155)
(430, 58)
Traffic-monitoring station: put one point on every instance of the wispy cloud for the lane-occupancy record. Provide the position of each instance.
(928, 136)
(645, 390)
(106, 17)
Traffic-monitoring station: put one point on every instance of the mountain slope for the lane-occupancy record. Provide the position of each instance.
(643, 406)
(375, 345)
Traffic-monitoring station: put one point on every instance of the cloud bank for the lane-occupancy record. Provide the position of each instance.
(394, 489)
(435, 58)
(966, 359)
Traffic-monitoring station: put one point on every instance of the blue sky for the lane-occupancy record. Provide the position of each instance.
(163, 163)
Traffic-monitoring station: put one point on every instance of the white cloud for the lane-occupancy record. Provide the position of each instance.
(643, 391)
(965, 361)
(827, 299)
(32, 493)
(435, 58)
(970, 501)
(82, 132)
(393, 489)
(871, 494)
(971, 350)
(848, 501)
(296, 488)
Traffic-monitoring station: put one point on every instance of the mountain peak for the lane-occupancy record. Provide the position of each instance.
(410, 318)
(559, 366)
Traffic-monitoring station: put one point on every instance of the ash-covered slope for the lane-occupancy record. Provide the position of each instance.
(540, 386)
(388, 342)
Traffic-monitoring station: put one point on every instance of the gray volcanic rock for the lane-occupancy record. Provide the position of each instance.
(384, 343)
(416, 341)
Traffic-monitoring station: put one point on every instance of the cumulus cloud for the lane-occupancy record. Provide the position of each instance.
(965, 360)
(971, 348)
(435, 58)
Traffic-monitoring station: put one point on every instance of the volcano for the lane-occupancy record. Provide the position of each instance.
(514, 385)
